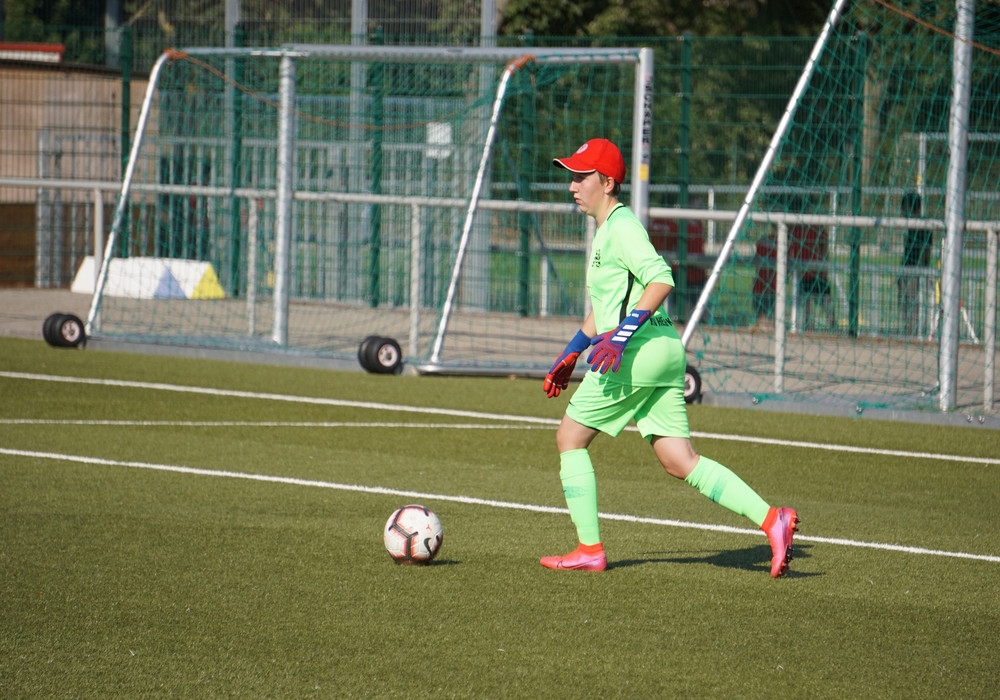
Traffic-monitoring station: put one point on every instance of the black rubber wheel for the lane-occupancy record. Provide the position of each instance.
(49, 329)
(365, 352)
(70, 331)
(692, 385)
(385, 356)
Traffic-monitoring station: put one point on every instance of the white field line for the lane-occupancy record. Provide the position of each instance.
(479, 415)
(271, 424)
(277, 397)
(468, 500)
(536, 421)
(851, 448)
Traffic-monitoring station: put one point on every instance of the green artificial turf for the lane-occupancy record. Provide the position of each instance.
(155, 541)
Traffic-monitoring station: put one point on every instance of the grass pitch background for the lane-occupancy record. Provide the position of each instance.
(125, 575)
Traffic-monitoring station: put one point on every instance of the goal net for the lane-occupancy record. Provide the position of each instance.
(831, 287)
(301, 199)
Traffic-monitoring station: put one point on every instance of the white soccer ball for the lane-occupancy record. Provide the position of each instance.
(413, 535)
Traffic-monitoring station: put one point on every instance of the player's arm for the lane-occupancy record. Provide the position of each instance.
(609, 347)
(653, 296)
(558, 377)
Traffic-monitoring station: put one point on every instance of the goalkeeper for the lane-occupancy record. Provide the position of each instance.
(637, 371)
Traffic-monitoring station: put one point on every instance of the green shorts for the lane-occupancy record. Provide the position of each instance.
(609, 407)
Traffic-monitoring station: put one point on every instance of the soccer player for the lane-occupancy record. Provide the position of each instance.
(637, 371)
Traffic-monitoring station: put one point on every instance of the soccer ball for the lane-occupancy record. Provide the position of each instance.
(413, 535)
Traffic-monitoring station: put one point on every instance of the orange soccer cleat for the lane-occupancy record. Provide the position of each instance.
(779, 525)
(579, 559)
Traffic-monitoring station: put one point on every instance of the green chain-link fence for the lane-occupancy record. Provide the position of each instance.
(859, 323)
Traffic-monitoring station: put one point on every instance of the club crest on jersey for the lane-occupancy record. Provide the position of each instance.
(596, 261)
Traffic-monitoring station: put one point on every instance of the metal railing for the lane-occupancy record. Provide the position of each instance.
(787, 314)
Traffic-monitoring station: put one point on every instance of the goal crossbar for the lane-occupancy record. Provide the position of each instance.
(422, 54)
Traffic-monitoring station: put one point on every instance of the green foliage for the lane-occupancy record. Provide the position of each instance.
(560, 18)
(453, 22)
(62, 13)
(646, 18)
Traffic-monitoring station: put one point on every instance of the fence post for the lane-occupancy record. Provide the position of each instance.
(234, 142)
(283, 207)
(990, 322)
(683, 176)
(954, 205)
(416, 274)
(377, 111)
(780, 277)
(98, 232)
(125, 57)
(251, 273)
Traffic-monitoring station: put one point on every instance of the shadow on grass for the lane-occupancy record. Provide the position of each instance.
(428, 564)
(756, 558)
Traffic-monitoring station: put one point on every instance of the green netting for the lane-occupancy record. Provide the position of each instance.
(859, 326)
(386, 157)
(858, 318)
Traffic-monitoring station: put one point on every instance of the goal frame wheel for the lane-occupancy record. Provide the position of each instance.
(364, 352)
(692, 385)
(385, 356)
(64, 330)
(49, 328)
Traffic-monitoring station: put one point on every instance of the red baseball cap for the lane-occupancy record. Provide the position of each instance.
(597, 154)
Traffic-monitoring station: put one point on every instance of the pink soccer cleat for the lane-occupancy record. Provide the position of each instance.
(779, 525)
(577, 560)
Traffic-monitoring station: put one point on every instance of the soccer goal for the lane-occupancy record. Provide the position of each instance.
(860, 272)
(302, 199)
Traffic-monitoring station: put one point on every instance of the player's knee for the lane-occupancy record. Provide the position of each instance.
(569, 437)
(678, 470)
(677, 456)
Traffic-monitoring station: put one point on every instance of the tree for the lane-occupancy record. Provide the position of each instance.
(564, 18)
(556, 18)
(40, 14)
(633, 18)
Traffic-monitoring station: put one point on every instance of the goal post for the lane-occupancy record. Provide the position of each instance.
(858, 274)
(375, 190)
(758, 180)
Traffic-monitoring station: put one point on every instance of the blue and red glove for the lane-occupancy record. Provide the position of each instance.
(609, 347)
(558, 377)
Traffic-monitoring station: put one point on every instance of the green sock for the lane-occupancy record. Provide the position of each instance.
(719, 484)
(580, 488)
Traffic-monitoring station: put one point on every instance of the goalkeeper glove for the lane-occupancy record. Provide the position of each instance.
(609, 347)
(558, 377)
